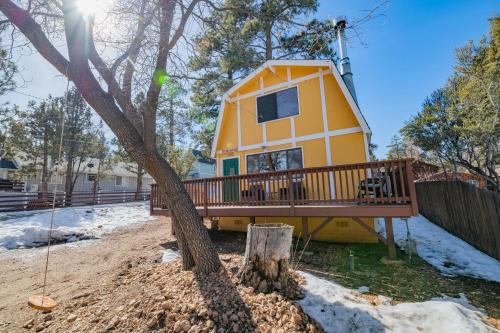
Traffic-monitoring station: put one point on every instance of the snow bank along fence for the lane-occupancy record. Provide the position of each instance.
(15, 201)
(464, 210)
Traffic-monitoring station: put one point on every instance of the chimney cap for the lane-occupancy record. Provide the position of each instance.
(340, 22)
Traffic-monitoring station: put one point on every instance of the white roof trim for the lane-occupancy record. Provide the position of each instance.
(271, 64)
(219, 122)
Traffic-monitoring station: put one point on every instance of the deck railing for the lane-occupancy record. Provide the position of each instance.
(374, 183)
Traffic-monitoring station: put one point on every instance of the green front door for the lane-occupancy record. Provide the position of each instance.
(230, 167)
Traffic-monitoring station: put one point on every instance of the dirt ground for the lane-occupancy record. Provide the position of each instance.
(74, 268)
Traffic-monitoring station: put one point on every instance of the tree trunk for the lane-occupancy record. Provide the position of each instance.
(171, 123)
(68, 188)
(45, 167)
(266, 257)
(138, 183)
(187, 258)
(269, 44)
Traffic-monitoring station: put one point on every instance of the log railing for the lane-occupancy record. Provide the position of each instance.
(373, 183)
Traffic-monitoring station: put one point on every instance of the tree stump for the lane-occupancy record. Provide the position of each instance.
(266, 257)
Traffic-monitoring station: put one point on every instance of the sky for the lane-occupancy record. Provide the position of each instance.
(403, 57)
(408, 53)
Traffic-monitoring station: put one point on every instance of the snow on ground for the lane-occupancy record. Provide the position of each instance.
(30, 228)
(339, 309)
(451, 255)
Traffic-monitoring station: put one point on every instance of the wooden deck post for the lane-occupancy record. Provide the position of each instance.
(390, 238)
(252, 220)
(305, 229)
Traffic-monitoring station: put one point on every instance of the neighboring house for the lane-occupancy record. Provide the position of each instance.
(7, 166)
(116, 177)
(292, 114)
(203, 166)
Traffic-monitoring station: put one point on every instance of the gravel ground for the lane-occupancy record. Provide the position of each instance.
(119, 284)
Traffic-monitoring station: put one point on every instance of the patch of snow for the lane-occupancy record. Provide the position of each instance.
(363, 289)
(449, 254)
(339, 309)
(29, 229)
(169, 255)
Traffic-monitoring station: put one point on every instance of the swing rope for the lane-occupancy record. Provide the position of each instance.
(36, 302)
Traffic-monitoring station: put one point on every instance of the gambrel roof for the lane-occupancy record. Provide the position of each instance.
(270, 64)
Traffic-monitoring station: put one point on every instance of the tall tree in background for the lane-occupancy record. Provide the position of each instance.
(460, 122)
(120, 155)
(173, 117)
(78, 140)
(101, 153)
(35, 135)
(224, 54)
(280, 32)
(7, 83)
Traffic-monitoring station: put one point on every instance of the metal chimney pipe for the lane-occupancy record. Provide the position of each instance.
(339, 23)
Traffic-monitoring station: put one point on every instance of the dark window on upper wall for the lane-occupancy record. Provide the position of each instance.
(275, 161)
(281, 104)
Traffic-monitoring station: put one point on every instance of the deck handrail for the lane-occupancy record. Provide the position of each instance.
(388, 182)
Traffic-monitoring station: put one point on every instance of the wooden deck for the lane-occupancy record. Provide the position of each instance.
(374, 189)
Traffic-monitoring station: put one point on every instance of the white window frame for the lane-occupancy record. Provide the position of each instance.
(274, 151)
(274, 92)
(116, 178)
(87, 177)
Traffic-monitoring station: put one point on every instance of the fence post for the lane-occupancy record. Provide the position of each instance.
(205, 199)
(98, 197)
(411, 187)
(151, 198)
(64, 199)
(123, 195)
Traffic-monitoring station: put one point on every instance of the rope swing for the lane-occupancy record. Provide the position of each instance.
(43, 302)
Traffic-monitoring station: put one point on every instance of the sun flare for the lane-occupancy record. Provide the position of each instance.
(88, 7)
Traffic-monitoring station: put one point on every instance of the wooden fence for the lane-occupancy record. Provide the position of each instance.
(464, 210)
(15, 201)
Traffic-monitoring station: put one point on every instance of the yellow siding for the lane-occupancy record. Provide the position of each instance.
(298, 72)
(342, 230)
(310, 120)
(271, 78)
(250, 86)
(314, 152)
(251, 132)
(228, 136)
(278, 129)
(339, 112)
(348, 148)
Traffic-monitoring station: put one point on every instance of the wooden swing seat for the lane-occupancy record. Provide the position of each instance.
(40, 303)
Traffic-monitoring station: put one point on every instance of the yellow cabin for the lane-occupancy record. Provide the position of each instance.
(291, 114)
(291, 146)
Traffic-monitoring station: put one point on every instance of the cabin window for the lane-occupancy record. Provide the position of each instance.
(281, 104)
(91, 177)
(118, 181)
(275, 161)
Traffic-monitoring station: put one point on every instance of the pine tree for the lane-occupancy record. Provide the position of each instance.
(35, 135)
(78, 140)
(240, 38)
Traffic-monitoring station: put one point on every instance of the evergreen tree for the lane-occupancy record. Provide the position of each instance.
(79, 138)
(120, 155)
(240, 38)
(459, 123)
(35, 135)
